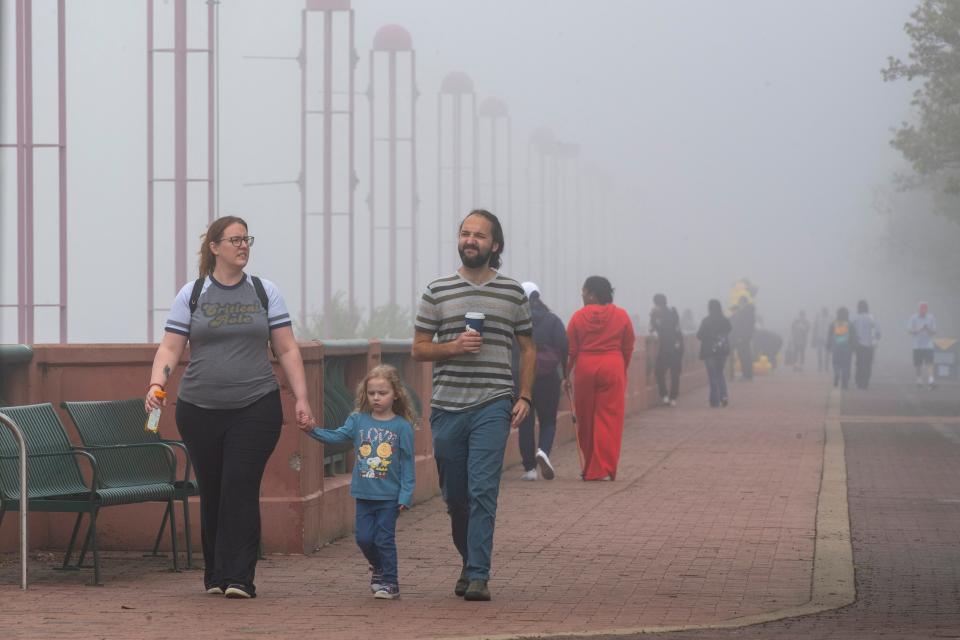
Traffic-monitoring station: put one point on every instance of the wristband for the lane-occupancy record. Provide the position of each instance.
(155, 384)
(527, 400)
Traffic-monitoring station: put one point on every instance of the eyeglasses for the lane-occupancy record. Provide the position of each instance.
(237, 241)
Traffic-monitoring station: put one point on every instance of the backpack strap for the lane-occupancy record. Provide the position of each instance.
(195, 294)
(261, 293)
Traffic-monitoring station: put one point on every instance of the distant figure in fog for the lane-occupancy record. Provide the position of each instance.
(550, 338)
(714, 336)
(799, 332)
(867, 333)
(840, 341)
(819, 342)
(665, 323)
(687, 322)
(767, 343)
(601, 344)
(744, 321)
(922, 326)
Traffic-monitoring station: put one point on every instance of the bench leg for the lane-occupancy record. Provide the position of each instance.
(186, 532)
(73, 539)
(163, 525)
(173, 533)
(92, 539)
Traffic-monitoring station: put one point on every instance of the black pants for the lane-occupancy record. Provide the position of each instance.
(864, 366)
(229, 449)
(668, 360)
(546, 399)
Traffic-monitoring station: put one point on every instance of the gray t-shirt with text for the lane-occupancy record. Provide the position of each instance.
(229, 330)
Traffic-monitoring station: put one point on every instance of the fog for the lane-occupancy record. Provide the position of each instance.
(716, 140)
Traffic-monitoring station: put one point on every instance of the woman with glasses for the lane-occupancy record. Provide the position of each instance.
(228, 407)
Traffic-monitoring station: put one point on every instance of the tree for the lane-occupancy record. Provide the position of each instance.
(388, 321)
(932, 146)
(344, 321)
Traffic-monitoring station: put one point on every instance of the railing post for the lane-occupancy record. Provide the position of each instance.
(21, 443)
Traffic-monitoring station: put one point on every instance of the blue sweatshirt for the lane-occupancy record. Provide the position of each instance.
(384, 469)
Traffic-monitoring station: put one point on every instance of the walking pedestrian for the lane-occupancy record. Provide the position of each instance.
(228, 407)
(799, 332)
(550, 338)
(744, 322)
(866, 334)
(601, 344)
(472, 408)
(381, 431)
(665, 323)
(922, 326)
(840, 341)
(821, 324)
(714, 336)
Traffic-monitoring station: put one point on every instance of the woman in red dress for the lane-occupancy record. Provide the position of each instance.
(601, 344)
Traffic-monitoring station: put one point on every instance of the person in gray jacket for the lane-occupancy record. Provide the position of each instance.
(866, 334)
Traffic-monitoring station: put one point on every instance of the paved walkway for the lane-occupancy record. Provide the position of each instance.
(713, 521)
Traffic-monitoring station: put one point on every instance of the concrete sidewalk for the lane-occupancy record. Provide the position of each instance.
(712, 519)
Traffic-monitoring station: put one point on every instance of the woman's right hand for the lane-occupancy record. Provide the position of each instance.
(152, 402)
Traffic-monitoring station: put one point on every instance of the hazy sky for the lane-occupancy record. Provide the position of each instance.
(741, 137)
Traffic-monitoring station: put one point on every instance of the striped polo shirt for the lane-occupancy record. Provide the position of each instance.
(473, 379)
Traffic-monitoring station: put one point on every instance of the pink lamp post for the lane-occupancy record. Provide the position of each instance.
(456, 156)
(393, 46)
(180, 180)
(495, 169)
(26, 149)
(337, 105)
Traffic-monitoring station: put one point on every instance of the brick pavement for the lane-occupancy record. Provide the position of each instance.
(712, 518)
(903, 473)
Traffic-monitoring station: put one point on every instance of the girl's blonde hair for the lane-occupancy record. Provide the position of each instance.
(401, 401)
(214, 233)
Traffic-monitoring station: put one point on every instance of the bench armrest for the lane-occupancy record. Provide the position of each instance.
(171, 456)
(188, 466)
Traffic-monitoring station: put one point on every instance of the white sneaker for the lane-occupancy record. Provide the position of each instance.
(529, 475)
(543, 461)
(673, 403)
(666, 400)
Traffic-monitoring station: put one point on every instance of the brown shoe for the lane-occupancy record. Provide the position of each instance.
(477, 591)
(462, 583)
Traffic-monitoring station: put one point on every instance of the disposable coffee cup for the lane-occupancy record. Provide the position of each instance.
(474, 320)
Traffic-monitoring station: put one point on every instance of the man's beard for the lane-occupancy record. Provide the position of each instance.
(477, 261)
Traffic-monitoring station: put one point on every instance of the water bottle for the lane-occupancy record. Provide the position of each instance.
(153, 420)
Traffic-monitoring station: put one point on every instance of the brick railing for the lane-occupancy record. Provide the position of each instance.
(305, 497)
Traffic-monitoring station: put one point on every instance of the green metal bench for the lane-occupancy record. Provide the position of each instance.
(55, 482)
(112, 422)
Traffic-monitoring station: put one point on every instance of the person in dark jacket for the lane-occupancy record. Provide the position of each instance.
(665, 322)
(744, 322)
(550, 338)
(714, 336)
(841, 337)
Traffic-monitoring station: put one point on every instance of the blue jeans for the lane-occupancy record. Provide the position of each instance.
(376, 533)
(468, 446)
(718, 383)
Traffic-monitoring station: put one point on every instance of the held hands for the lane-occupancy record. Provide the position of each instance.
(469, 341)
(305, 419)
(567, 387)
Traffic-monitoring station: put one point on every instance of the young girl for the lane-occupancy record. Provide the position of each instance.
(381, 430)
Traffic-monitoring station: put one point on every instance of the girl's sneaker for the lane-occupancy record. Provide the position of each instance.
(387, 592)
